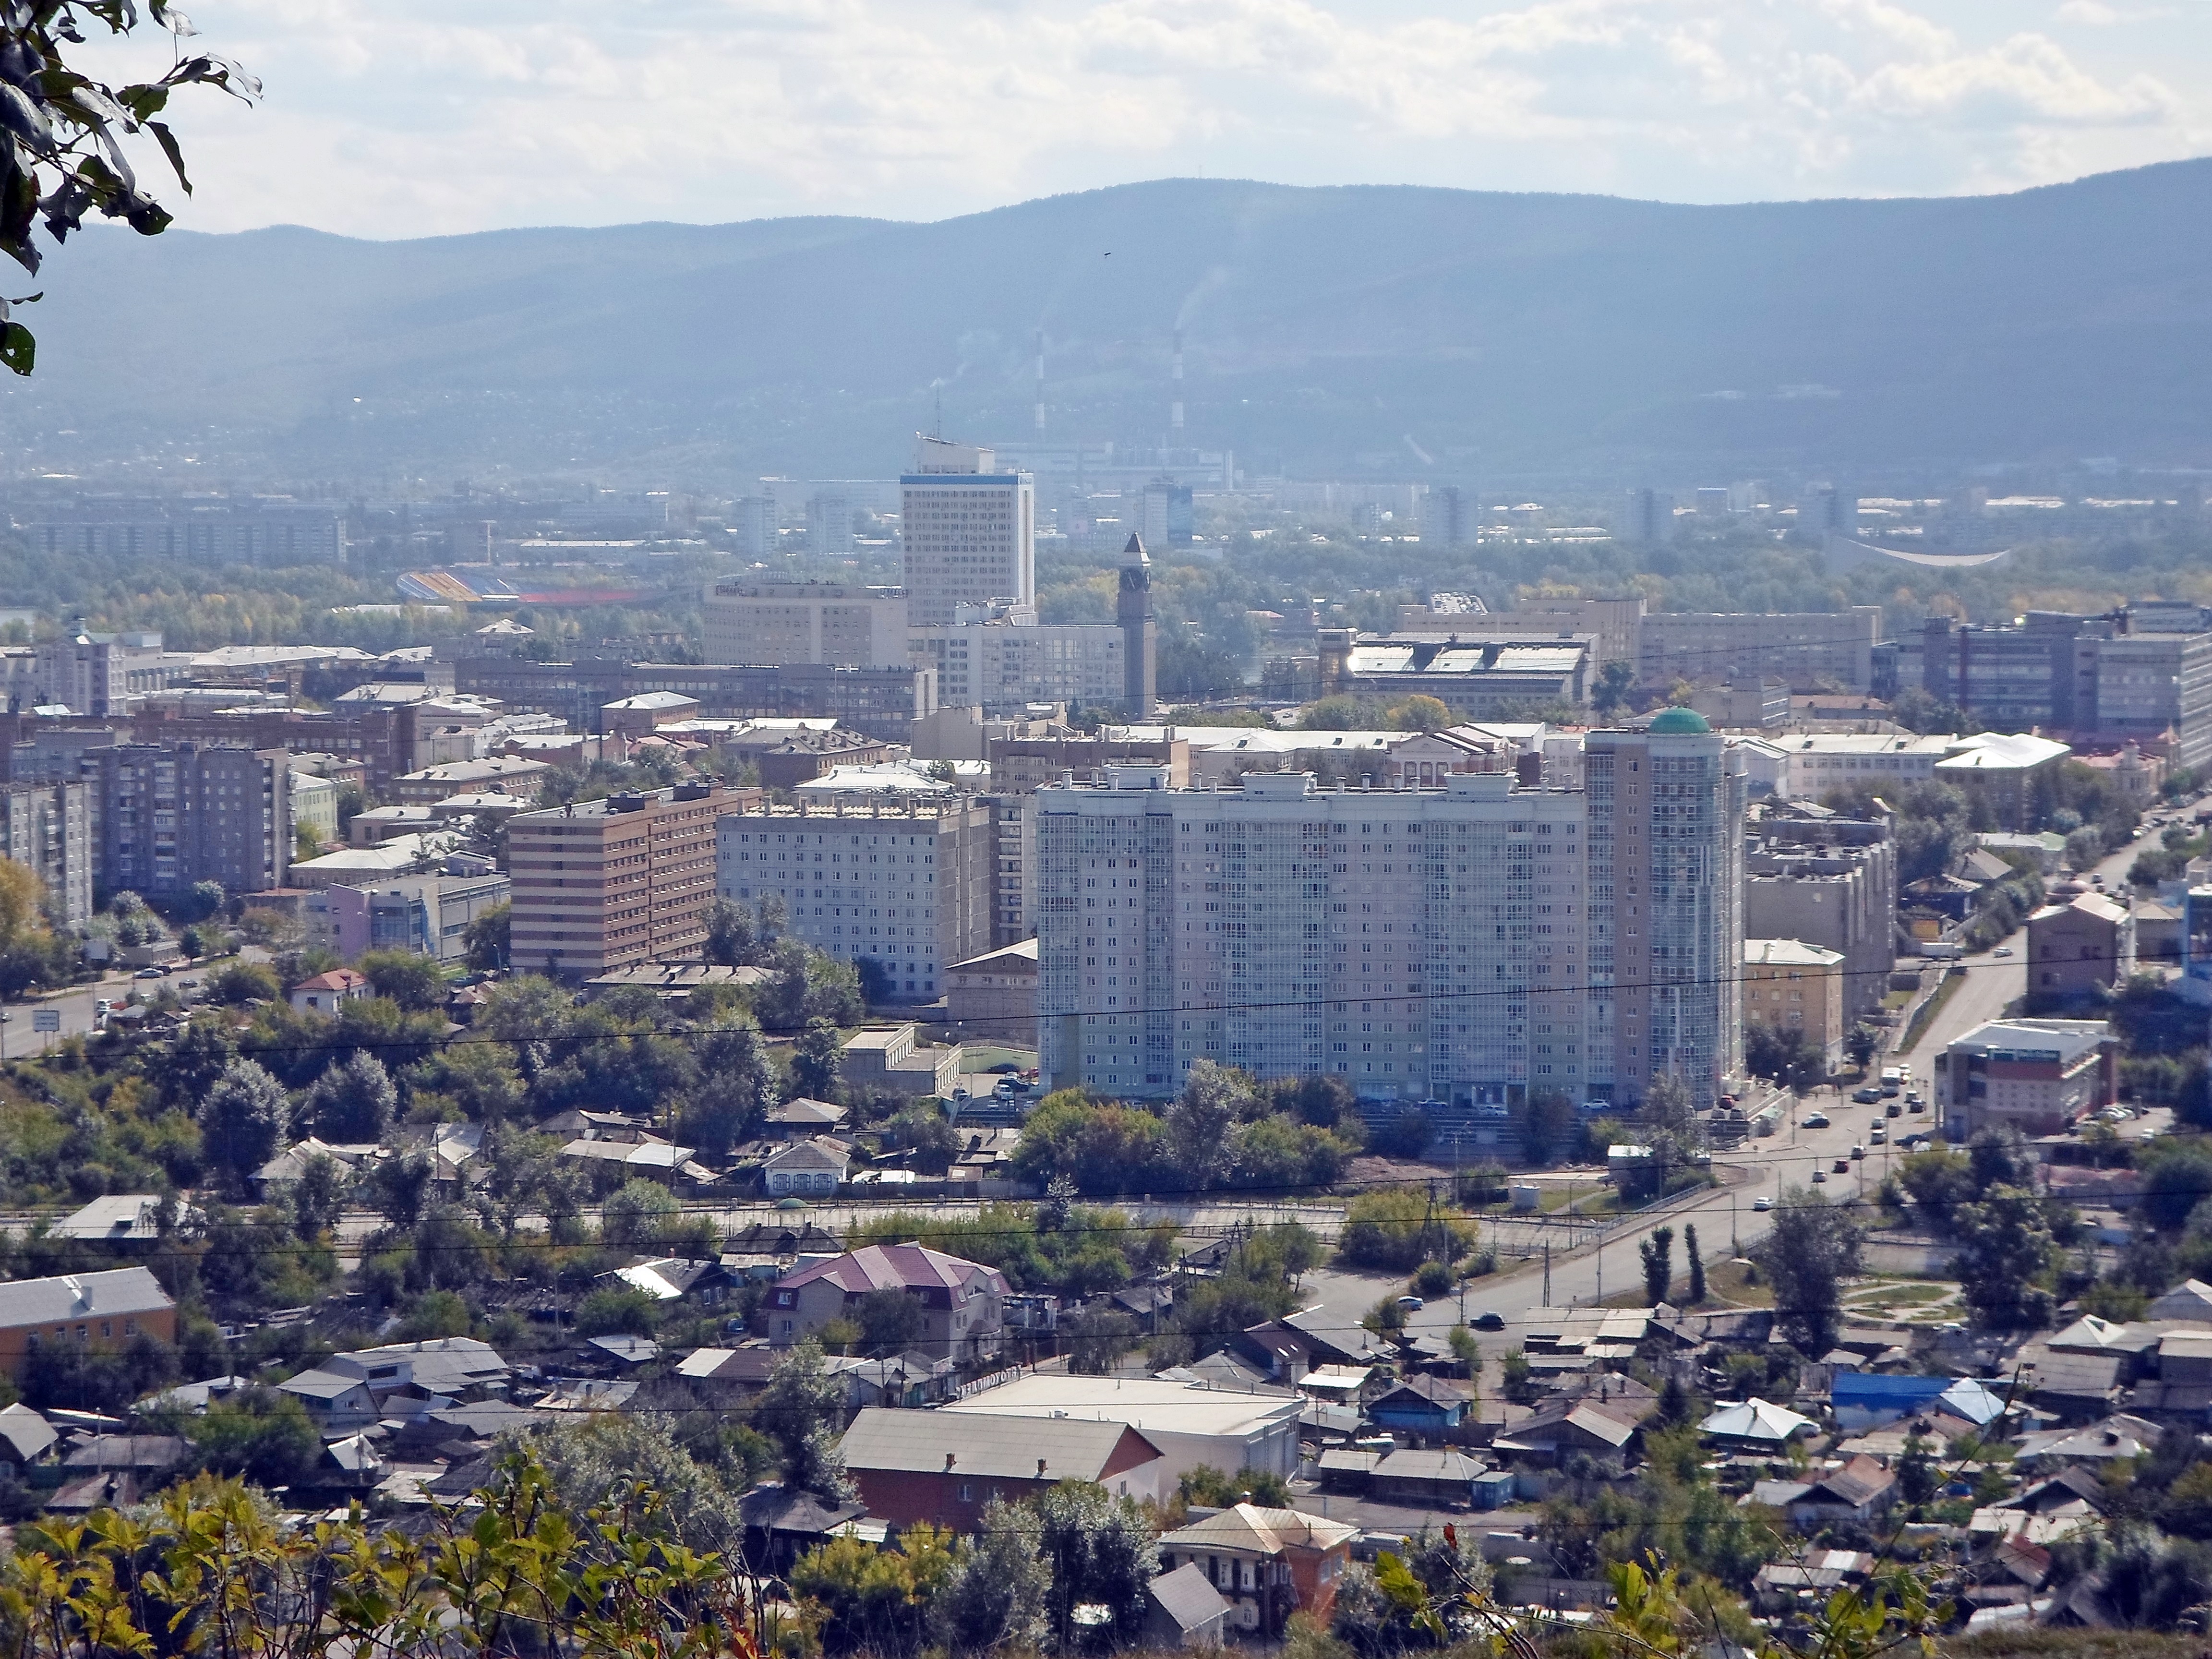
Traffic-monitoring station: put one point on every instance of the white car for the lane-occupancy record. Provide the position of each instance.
(1761, 1205)
(1814, 1121)
(2002, 951)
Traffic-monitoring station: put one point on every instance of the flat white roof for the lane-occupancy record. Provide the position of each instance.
(1144, 1403)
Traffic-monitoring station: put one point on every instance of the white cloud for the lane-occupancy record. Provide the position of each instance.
(404, 117)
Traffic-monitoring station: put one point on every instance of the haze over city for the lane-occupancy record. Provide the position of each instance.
(833, 831)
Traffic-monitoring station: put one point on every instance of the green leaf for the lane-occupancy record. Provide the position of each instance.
(18, 349)
(170, 149)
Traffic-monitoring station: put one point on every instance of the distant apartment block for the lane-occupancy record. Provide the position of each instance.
(1830, 881)
(104, 674)
(879, 703)
(175, 814)
(970, 530)
(1809, 651)
(1471, 943)
(991, 659)
(908, 888)
(267, 531)
(606, 883)
(1790, 985)
(47, 829)
(784, 622)
(1023, 764)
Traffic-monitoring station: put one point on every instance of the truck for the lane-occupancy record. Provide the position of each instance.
(1942, 949)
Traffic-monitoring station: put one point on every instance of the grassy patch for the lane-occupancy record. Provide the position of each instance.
(1729, 1281)
(1929, 1010)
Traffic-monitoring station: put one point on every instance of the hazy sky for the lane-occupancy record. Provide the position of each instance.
(396, 117)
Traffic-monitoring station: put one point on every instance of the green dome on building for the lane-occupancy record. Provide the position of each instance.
(1679, 723)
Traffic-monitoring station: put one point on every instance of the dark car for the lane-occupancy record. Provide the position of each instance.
(1490, 1320)
(1843, 1166)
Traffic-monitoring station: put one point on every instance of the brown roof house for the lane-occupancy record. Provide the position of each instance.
(944, 1467)
(2074, 949)
(962, 1303)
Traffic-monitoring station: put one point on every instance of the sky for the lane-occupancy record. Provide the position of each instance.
(392, 118)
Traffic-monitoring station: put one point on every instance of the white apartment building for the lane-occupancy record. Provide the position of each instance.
(1821, 762)
(1458, 944)
(998, 657)
(970, 532)
(777, 623)
(910, 887)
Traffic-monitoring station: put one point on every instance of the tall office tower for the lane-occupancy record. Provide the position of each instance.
(970, 532)
(1132, 610)
(1666, 903)
(830, 522)
(1650, 518)
(910, 891)
(1418, 943)
(753, 526)
(624, 879)
(1449, 517)
(174, 814)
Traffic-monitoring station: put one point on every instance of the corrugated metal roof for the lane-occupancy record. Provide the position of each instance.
(74, 1298)
(992, 1446)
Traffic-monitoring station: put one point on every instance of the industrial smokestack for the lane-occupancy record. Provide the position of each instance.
(1175, 409)
(1039, 410)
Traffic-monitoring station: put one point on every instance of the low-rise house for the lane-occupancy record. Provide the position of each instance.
(1561, 1426)
(944, 1467)
(26, 1438)
(2080, 947)
(117, 1218)
(900, 1382)
(1420, 1405)
(2189, 1301)
(781, 1525)
(1868, 1399)
(810, 1168)
(284, 1172)
(799, 1118)
(1268, 1563)
(325, 992)
(1442, 1479)
(1184, 1610)
(648, 1157)
(2079, 1386)
(993, 998)
(1756, 1425)
(895, 1061)
(98, 1311)
(669, 1278)
(1858, 1491)
(961, 1302)
(338, 1402)
(2116, 1437)
(727, 1377)
(769, 1249)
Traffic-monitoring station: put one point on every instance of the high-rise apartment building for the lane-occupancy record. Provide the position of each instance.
(172, 815)
(47, 829)
(1457, 944)
(908, 889)
(625, 879)
(970, 532)
(104, 674)
(1666, 900)
(1828, 881)
(784, 622)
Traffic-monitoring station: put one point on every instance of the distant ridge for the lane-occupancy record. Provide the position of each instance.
(1428, 333)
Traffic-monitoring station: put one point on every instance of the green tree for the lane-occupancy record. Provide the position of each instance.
(733, 936)
(815, 1058)
(1696, 1264)
(259, 1433)
(1916, 1472)
(353, 1102)
(416, 983)
(1098, 1336)
(398, 1187)
(1859, 1046)
(639, 1215)
(891, 1322)
(319, 1196)
(489, 937)
(1101, 1553)
(1101, 1148)
(1615, 682)
(2008, 1246)
(1812, 1248)
(1199, 1119)
(800, 1411)
(994, 1599)
(243, 1117)
(1548, 1127)
(1658, 1255)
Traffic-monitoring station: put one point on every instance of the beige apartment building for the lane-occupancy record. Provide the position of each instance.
(780, 623)
(1791, 986)
(604, 883)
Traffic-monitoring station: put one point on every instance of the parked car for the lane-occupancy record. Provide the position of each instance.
(1814, 1119)
(1820, 1177)
(1868, 1096)
(1879, 1137)
(1411, 1304)
(1857, 1152)
(1917, 1106)
(1843, 1166)
(1490, 1320)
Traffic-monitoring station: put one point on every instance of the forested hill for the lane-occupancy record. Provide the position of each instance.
(1427, 333)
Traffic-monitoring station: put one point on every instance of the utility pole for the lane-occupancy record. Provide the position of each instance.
(1547, 1273)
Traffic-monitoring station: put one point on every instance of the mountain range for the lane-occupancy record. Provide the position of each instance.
(1419, 333)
